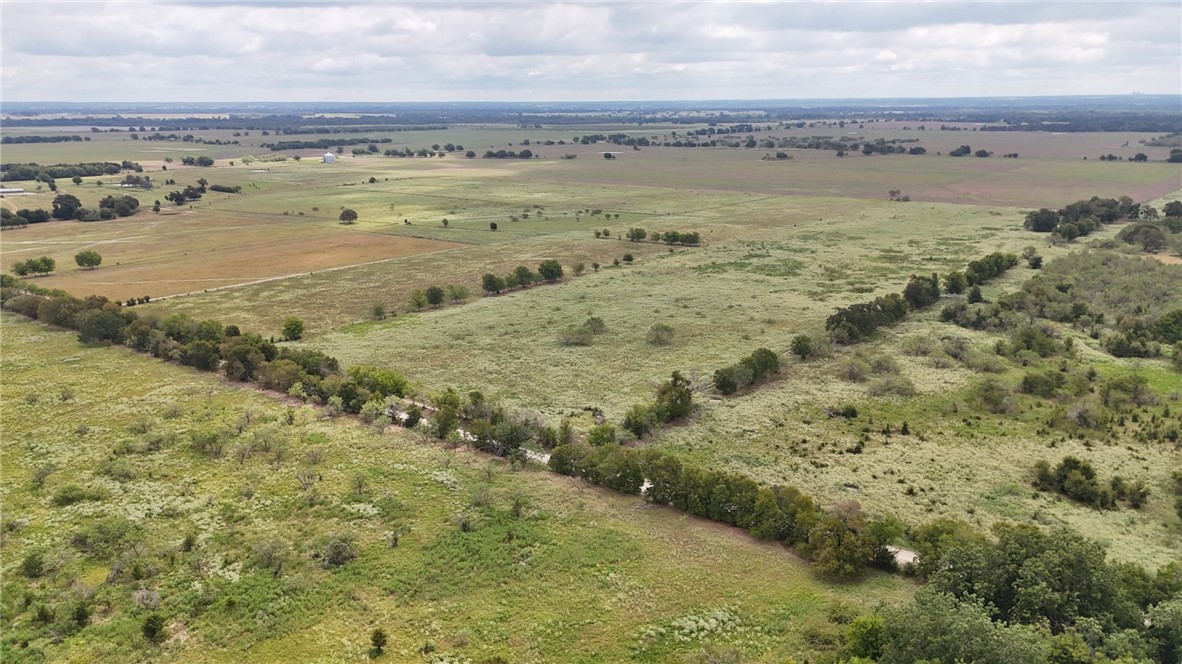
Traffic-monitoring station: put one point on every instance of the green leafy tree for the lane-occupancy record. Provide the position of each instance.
(937, 627)
(347, 216)
(378, 640)
(524, 276)
(550, 270)
(418, 299)
(955, 282)
(491, 283)
(66, 206)
(602, 434)
(435, 296)
(88, 259)
(293, 328)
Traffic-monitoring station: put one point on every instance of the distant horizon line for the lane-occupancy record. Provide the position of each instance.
(747, 100)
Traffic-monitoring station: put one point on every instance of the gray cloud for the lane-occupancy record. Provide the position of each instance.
(378, 51)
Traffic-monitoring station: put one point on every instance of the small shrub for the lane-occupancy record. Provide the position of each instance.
(153, 627)
(338, 550)
(659, 335)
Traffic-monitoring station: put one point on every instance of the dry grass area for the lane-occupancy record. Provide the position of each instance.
(183, 251)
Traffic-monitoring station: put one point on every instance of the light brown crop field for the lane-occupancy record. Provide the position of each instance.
(183, 251)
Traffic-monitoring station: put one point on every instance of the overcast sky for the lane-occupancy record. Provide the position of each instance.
(525, 51)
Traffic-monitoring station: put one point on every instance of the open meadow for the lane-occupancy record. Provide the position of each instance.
(488, 559)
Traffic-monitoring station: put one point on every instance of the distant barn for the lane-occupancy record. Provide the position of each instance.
(329, 158)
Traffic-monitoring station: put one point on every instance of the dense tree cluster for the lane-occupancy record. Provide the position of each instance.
(1033, 596)
(34, 266)
(508, 154)
(22, 217)
(189, 193)
(1082, 217)
(1077, 480)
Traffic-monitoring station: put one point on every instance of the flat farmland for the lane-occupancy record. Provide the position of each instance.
(183, 251)
(970, 180)
(772, 268)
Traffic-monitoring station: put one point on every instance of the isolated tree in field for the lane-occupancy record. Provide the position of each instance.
(550, 270)
(435, 296)
(579, 268)
(293, 328)
(347, 216)
(628, 258)
(89, 259)
(76, 180)
(378, 640)
(492, 225)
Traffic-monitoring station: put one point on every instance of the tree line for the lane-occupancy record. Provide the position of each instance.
(32, 171)
(322, 143)
(208, 346)
(13, 140)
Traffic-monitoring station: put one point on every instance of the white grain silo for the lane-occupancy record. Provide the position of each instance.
(329, 158)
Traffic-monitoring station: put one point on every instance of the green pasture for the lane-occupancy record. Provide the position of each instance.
(119, 425)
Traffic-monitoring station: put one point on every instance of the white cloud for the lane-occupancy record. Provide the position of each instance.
(378, 51)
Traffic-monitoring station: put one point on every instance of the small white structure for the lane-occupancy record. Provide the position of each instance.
(329, 158)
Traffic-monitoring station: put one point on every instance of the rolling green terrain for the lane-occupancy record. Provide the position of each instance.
(262, 526)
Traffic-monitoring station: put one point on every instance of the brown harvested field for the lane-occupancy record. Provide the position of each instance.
(166, 254)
